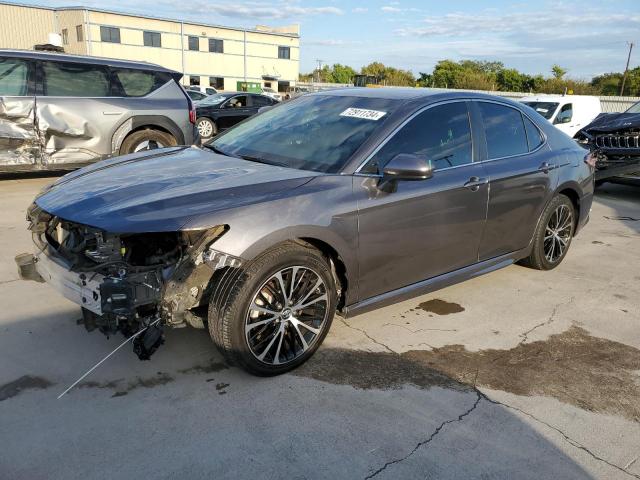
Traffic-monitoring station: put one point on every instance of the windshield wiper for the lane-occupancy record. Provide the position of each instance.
(262, 160)
(210, 146)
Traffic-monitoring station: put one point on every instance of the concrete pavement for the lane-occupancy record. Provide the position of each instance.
(517, 374)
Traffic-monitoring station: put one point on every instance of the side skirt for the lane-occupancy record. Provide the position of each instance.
(435, 283)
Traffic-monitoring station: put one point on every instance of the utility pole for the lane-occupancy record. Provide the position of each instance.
(626, 69)
(319, 68)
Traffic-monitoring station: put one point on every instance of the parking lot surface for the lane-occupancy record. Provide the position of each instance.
(516, 374)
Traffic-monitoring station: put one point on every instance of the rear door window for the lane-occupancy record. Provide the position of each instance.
(66, 79)
(504, 130)
(13, 77)
(137, 83)
(442, 135)
(260, 101)
(534, 137)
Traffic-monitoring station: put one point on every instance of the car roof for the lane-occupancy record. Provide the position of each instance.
(416, 95)
(66, 57)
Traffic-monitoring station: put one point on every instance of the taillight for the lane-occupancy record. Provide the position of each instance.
(192, 114)
(590, 159)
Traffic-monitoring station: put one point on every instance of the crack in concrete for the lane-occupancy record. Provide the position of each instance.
(9, 281)
(421, 329)
(386, 347)
(549, 321)
(566, 437)
(481, 396)
(438, 429)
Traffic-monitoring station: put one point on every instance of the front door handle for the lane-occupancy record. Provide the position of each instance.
(475, 183)
(546, 167)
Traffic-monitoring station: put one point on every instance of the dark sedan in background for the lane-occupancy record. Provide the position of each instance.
(223, 110)
(343, 200)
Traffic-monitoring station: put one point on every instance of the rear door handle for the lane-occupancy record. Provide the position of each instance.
(546, 167)
(475, 183)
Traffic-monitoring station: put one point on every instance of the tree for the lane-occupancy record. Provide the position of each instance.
(375, 69)
(511, 80)
(558, 72)
(342, 73)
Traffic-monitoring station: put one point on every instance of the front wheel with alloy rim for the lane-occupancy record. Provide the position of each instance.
(206, 128)
(278, 311)
(553, 234)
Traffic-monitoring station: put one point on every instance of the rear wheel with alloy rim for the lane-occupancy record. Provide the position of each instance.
(278, 311)
(553, 234)
(206, 128)
(147, 139)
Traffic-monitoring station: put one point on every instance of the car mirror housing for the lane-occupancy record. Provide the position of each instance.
(407, 166)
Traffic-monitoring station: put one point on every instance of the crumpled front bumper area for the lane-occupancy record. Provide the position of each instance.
(126, 283)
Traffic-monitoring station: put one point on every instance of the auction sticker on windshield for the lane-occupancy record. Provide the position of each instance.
(363, 113)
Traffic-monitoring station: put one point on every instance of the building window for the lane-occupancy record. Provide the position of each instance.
(267, 84)
(216, 82)
(65, 36)
(152, 39)
(194, 80)
(79, 33)
(216, 45)
(194, 43)
(284, 52)
(110, 34)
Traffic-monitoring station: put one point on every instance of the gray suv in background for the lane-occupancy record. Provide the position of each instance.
(62, 111)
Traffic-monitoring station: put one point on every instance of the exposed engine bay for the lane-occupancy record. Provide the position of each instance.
(128, 282)
(614, 139)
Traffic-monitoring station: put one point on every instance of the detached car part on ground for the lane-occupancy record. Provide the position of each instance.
(614, 139)
(344, 200)
(60, 112)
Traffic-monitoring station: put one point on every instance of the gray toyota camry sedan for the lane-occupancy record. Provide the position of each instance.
(337, 201)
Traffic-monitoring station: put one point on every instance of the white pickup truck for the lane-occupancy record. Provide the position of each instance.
(568, 113)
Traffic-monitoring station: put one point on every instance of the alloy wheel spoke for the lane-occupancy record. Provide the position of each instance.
(322, 297)
(273, 340)
(308, 294)
(283, 289)
(295, 324)
(254, 306)
(251, 326)
(315, 331)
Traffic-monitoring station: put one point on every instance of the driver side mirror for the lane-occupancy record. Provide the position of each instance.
(562, 119)
(406, 166)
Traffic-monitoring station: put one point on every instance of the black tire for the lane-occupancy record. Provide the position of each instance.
(230, 312)
(539, 257)
(208, 125)
(154, 139)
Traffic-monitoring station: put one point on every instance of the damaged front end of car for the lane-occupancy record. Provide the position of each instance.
(128, 282)
(614, 140)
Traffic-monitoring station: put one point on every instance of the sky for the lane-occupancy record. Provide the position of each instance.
(586, 37)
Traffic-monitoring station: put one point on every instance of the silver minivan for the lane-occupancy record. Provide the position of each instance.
(61, 111)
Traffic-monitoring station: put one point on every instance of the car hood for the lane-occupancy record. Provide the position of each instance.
(161, 190)
(611, 122)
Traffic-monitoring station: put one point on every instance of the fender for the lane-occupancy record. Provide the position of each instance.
(344, 246)
(135, 122)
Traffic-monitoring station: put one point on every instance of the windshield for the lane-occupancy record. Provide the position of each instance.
(318, 133)
(546, 109)
(213, 100)
(635, 108)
